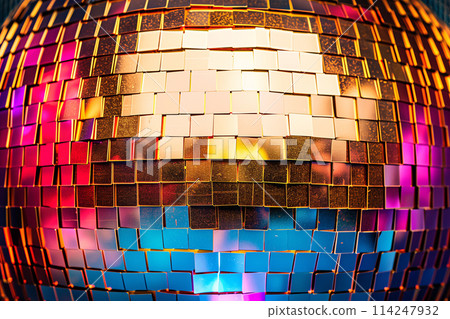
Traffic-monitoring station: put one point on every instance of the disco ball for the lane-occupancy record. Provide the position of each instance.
(224, 150)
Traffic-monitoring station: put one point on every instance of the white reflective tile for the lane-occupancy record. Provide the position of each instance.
(196, 59)
(311, 62)
(229, 80)
(195, 39)
(204, 80)
(220, 38)
(192, 102)
(255, 81)
(167, 103)
(306, 42)
(327, 84)
(202, 125)
(271, 103)
(244, 102)
(148, 41)
(281, 39)
(172, 61)
(322, 106)
(177, 125)
(249, 125)
(178, 81)
(262, 38)
(154, 82)
(296, 104)
(138, 104)
(275, 125)
(170, 40)
(243, 60)
(323, 127)
(300, 125)
(304, 83)
(345, 107)
(217, 102)
(265, 59)
(244, 38)
(225, 125)
(367, 109)
(150, 125)
(170, 148)
(345, 129)
(280, 81)
(149, 62)
(288, 61)
(220, 60)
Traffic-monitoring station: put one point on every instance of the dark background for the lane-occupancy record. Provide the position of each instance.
(5, 7)
(441, 8)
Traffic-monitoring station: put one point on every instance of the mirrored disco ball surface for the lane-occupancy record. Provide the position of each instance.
(224, 150)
